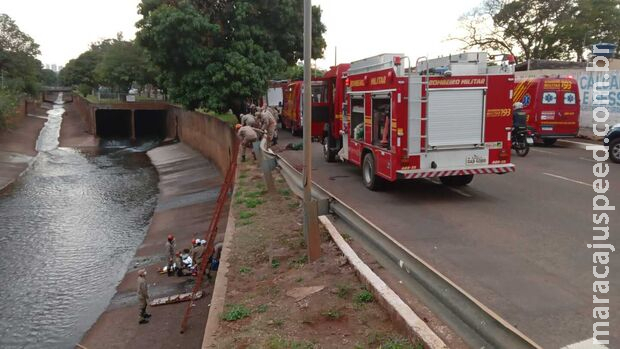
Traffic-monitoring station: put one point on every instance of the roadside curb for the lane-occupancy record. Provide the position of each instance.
(220, 287)
(398, 309)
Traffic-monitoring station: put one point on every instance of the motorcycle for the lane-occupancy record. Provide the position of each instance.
(522, 139)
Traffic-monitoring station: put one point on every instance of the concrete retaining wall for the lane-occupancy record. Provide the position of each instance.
(212, 137)
(87, 113)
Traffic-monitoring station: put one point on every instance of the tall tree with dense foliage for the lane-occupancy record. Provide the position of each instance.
(80, 71)
(122, 64)
(20, 70)
(19, 67)
(214, 53)
(541, 29)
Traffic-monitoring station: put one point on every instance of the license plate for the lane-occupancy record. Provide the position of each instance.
(529, 140)
(547, 128)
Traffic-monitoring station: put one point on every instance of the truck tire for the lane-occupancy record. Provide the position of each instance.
(329, 154)
(369, 173)
(457, 181)
(614, 150)
(549, 141)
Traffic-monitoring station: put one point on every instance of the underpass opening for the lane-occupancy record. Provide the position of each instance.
(151, 123)
(112, 123)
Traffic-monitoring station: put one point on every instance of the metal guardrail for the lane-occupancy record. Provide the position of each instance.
(477, 325)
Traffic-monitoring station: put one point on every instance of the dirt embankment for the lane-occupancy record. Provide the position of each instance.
(276, 299)
(18, 141)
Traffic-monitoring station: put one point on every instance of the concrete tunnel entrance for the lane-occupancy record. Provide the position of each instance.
(132, 124)
(151, 123)
(113, 123)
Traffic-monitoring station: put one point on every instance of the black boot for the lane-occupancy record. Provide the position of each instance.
(143, 321)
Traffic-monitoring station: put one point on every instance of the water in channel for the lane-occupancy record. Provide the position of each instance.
(69, 227)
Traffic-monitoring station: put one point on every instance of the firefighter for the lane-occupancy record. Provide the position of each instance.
(248, 136)
(268, 124)
(248, 120)
(197, 253)
(170, 246)
(143, 296)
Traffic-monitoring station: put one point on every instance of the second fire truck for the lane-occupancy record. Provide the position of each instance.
(449, 118)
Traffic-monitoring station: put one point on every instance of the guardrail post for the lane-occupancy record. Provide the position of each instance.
(267, 165)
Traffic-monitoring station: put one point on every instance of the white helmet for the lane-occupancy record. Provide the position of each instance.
(517, 105)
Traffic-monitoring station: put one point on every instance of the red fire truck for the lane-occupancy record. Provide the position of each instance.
(292, 109)
(551, 105)
(450, 118)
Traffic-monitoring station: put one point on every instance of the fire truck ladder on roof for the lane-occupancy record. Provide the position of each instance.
(378, 62)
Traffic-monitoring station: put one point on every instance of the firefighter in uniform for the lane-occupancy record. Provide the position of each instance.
(248, 120)
(268, 124)
(197, 253)
(170, 247)
(248, 136)
(143, 296)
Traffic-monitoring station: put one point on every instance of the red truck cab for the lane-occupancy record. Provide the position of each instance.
(551, 106)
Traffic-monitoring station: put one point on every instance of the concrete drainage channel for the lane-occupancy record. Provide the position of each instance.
(477, 325)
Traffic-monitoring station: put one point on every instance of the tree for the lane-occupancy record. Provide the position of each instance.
(19, 67)
(542, 29)
(49, 77)
(594, 21)
(122, 64)
(216, 53)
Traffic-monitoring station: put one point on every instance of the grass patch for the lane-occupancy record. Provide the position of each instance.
(299, 279)
(293, 205)
(256, 194)
(285, 192)
(383, 341)
(346, 237)
(332, 314)
(245, 270)
(364, 296)
(344, 291)
(236, 312)
(246, 214)
(285, 343)
(252, 202)
(299, 262)
(244, 222)
(275, 263)
(261, 308)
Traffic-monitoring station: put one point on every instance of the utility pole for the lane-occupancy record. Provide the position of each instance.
(311, 221)
(335, 56)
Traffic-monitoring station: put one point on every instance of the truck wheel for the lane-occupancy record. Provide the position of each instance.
(614, 151)
(549, 141)
(369, 175)
(457, 181)
(328, 153)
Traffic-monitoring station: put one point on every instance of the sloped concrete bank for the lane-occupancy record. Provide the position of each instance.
(17, 144)
(188, 185)
(190, 177)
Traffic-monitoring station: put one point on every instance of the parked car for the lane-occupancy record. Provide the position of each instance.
(612, 140)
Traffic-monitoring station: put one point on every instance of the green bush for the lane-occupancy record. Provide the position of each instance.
(8, 105)
(236, 312)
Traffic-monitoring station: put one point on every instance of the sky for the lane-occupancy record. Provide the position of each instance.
(358, 28)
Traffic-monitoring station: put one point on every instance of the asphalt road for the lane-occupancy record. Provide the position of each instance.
(516, 242)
